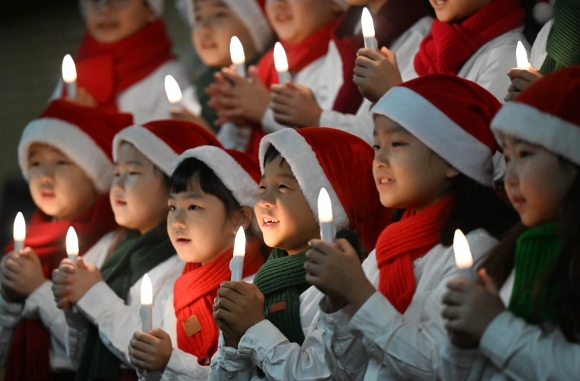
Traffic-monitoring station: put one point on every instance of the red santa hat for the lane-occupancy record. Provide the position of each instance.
(451, 116)
(546, 114)
(237, 170)
(162, 141)
(84, 134)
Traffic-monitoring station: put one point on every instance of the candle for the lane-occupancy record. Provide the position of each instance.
(522, 57)
(238, 56)
(281, 63)
(237, 262)
(172, 90)
(463, 258)
(69, 75)
(146, 304)
(72, 244)
(368, 30)
(325, 217)
(19, 232)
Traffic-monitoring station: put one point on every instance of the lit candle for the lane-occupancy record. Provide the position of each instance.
(238, 56)
(69, 75)
(172, 90)
(463, 258)
(281, 63)
(325, 217)
(19, 232)
(146, 310)
(522, 57)
(368, 30)
(237, 262)
(72, 244)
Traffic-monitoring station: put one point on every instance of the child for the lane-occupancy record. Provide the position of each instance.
(65, 156)
(536, 337)
(433, 153)
(270, 327)
(108, 299)
(212, 194)
(124, 58)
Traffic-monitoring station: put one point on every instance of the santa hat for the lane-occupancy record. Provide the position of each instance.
(546, 114)
(162, 141)
(543, 11)
(84, 134)
(237, 170)
(251, 12)
(156, 6)
(451, 116)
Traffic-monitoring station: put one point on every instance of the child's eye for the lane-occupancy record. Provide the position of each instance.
(397, 144)
(171, 208)
(262, 189)
(34, 164)
(62, 162)
(192, 207)
(133, 173)
(283, 186)
(523, 154)
(220, 15)
(376, 147)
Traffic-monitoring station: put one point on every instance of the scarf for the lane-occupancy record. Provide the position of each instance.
(564, 39)
(450, 45)
(28, 358)
(106, 70)
(404, 241)
(131, 259)
(537, 250)
(193, 296)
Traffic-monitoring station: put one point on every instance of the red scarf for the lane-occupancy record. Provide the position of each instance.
(193, 295)
(29, 351)
(404, 241)
(106, 70)
(450, 45)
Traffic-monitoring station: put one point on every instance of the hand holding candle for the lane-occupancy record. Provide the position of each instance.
(522, 57)
(146, 310)
(19, 232)
(69, 75)
(237, 262)
(368, 30)
(238, 56)
(463, 258)
(281, 63)
(325, 217)
(173, 91)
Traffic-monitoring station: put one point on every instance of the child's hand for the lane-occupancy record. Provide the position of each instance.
(7, 294)
(521, 79)
(376, 72)
(150, 351)
(231, 338)
(295, 105)
(21, 273)
(470, 308)
(62, 277)
(181, 113)
(336, 271)
(240, 305)
(70, 283)
(83, 98)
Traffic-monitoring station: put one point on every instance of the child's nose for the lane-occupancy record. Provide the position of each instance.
(511, 174)
(46, 171)
(119, 182)
(178, 220)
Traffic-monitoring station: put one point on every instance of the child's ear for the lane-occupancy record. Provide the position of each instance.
(336, 9)
(151, 15)
(451, 172)
(243, 218)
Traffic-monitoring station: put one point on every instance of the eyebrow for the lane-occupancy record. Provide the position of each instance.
(188, 195)
(219, 4)
(131, 162)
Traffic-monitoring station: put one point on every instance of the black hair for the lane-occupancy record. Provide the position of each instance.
(272, 154)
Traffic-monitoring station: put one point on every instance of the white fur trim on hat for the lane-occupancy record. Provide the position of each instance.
(230, 172)
(307, 170)
(532, 125)
(149, 144)
(449, 140)
(74, 143)
(157, 6)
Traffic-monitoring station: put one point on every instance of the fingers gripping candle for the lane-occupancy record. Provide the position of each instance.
(173, 91)
(325, 217)
(19, 232)
(238, 56)
(146, 310)
(463, 258)
(368, 30)
(237, 262)
(69, 76)
(281, 63)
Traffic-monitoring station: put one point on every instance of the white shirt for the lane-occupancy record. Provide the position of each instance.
(539, 52)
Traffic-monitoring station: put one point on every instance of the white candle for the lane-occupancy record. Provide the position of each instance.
(172, 90)
(72, 244)
(368, 30)
(522, 57)
(237, 262)
(69, 75)
(19, 232)
(146, 310)
(463, 258)
(238, 56)
(325, 217)
(281, 63)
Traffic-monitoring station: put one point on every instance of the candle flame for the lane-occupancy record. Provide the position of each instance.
(368, 27)
(72, 242)
(463, 257)
(522, 57)
(69, 70)
(172, 90)
(237, 51)
(280, 60)
(146, 291)
(240, 242)
(19, 232)
(324, 206)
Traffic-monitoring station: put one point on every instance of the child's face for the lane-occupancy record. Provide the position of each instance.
(536, 182)
(456, 10)
(59, 187)
(198, 225)
(294, 20)
(407, 173)
(215, 25)
(138, 194)
(116, 19)
(286, 220)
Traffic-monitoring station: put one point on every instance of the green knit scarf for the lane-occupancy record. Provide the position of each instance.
(536, 252)
(563, 44)
(132, 258)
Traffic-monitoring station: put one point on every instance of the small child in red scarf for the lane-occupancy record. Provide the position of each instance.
(66, 157)
(124, 58)
(212, 194)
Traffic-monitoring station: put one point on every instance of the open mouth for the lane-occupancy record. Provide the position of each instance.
(268, 222)
(282, 18)
(120, 202)
(382, 181)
